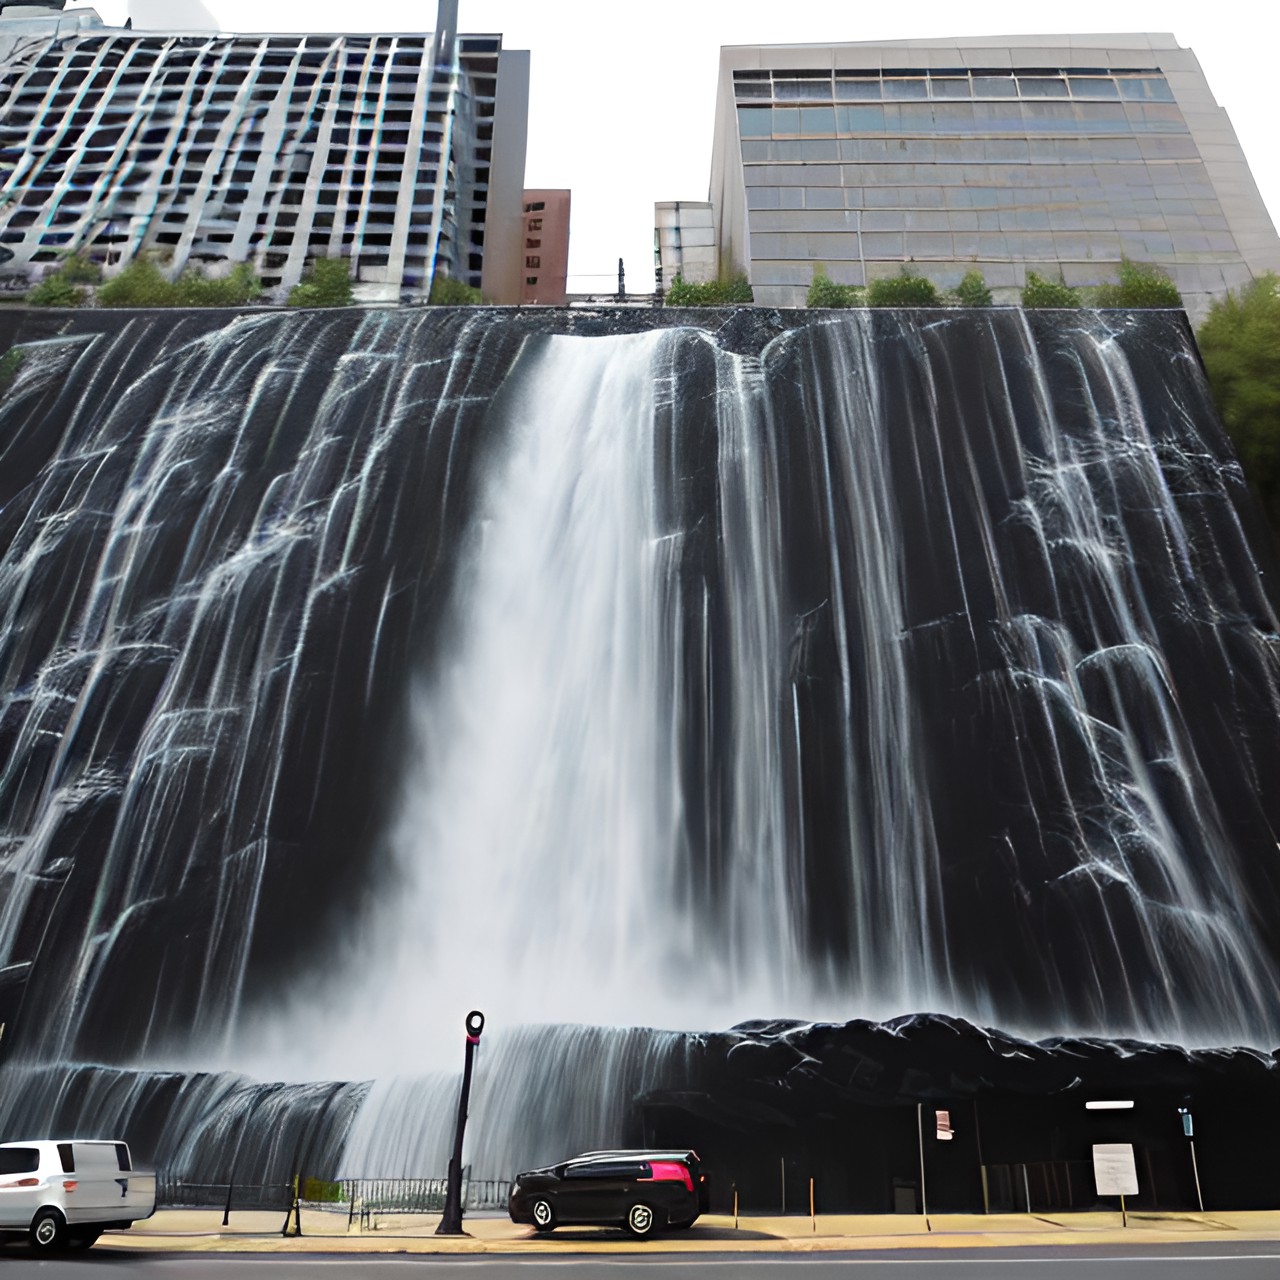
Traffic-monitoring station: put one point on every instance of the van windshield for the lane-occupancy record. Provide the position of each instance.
(19, 1160)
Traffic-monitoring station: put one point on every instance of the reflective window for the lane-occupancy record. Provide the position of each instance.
(994, 87)
(1093, 87)
(752, 84)
(755, 122)
(821, 120)
(786, 120)
(949, 86)
(903, 87)
(1146, 88)
(858, 86)
(1042, 86)
(860, 119)
(803, 85)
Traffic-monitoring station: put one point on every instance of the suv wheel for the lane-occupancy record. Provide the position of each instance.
(641, 1220)
(544, 1217)
(48, 1231)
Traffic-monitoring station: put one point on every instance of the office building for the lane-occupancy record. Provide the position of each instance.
(1042, 153)
(546, 248)
(401, 153)
(684, 241)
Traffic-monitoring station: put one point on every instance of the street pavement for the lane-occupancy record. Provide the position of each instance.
(1144, 1261)
(891, 1240)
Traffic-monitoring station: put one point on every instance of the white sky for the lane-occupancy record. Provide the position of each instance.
(623, 91)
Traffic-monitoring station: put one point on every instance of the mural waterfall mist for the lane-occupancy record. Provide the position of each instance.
(355, 670)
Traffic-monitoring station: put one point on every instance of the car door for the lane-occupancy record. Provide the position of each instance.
(98, 1192)
(600, 1191)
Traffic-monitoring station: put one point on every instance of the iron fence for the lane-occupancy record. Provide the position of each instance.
(174, 1193)
(421, 1195)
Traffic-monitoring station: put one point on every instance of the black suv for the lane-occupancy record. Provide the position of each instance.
(643, 1191)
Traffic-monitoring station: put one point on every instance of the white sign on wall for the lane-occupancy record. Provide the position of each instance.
(1114, 1170)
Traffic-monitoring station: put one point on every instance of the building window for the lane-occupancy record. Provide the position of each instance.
(531, 279)
(536, 207)
(535, 224)
(533, 244)
(533, 261)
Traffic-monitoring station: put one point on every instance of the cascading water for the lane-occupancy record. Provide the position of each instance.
(355, 672)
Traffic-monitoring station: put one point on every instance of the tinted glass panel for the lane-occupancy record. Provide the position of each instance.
(68, 1160)
(994, 87)
(802, 88)
(896, 88)
(19, 1160)
(1093, 87)
(949, 88)
(1042, 86)
(122, 1156)
(1147, 88)
(858, 87)
(786, 120)
(755, 122)
(860, 119)
(818, 120)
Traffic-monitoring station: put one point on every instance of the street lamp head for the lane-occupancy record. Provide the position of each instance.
(475, 1024)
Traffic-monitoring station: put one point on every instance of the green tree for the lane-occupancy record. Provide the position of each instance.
(143, 283)
(1240, 345)
(824, 292)
(447, 292)
(55, 291)
(140, 284)
(79, 268)
(193, 288)
(728, 291)
(972, 291)
(327, 284)
(1039, 292)
(906, 289)
(1140, 285)
(62, 286)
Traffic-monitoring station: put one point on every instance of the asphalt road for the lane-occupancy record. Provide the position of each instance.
(1251, 1261)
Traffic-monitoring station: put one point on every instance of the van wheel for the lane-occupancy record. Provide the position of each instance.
(48, 1231)
(641, 1221)
(84, 1239)
(544, 1217)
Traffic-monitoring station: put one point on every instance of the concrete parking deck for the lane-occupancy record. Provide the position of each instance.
(328, 1232)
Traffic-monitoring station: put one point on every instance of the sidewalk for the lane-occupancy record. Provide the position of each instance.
(327, 1232)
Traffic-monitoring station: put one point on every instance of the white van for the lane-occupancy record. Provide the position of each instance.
(64, 1195)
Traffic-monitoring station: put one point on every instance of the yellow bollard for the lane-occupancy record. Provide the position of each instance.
(813, 1216)
(735, 1206)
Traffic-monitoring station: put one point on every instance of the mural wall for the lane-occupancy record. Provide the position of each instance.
(607, 672)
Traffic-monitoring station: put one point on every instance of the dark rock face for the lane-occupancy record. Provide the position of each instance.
(966, 688)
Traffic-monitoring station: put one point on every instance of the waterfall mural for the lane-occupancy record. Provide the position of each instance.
(607, 672)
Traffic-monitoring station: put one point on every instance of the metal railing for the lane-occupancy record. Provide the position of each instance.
(370, 1195)
(174, 1193)
(422, 1195)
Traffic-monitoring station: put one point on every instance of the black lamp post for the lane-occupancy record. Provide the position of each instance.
(451, 1222)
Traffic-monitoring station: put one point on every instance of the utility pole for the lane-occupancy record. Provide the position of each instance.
(622, 282)
(451, 1222)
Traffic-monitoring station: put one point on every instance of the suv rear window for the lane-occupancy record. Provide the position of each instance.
(19, 1160)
